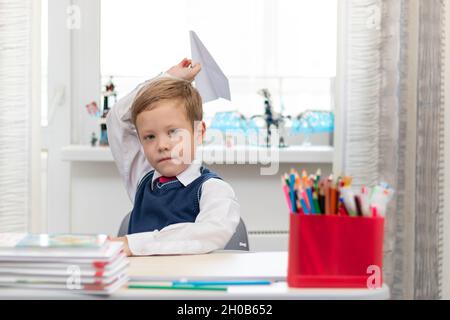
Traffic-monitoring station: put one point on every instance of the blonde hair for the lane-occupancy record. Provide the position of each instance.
(168, 89)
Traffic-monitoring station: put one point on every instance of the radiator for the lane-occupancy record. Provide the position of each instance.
(268, 240)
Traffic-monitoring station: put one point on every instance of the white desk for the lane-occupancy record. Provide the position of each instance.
(223, 265)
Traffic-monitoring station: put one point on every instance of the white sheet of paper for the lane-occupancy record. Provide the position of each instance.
(211, 82)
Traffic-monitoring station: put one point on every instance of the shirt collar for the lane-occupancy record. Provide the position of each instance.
(187, 176)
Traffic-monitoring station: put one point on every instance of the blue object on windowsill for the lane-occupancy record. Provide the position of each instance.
(313, 122)
(232, 122)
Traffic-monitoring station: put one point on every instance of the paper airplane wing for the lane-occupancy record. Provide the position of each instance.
(211, 82)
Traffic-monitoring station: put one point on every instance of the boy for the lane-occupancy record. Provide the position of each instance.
(180, 207)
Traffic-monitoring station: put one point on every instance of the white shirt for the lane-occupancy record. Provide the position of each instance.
(219, 210)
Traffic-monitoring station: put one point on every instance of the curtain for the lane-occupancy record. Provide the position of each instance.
(362, 90)
(393, 114)
(15, 97)
(430, 157)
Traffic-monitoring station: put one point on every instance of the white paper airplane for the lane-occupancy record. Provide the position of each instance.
(211, 82)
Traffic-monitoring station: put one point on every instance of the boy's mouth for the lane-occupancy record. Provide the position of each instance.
(164, 159)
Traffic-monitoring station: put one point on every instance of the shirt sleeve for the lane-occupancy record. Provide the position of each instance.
(214, 226)
(124, 141)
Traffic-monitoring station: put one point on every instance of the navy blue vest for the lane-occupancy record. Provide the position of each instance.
(168, 203)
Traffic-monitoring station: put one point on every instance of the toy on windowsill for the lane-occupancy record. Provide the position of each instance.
(232, 124)
(103, 136)
(108, 94)
(94, 111)
(272, 119)
(94, 139)
(313, 122)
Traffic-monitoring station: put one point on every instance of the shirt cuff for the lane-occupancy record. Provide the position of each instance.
(168, 75)
(137, 242)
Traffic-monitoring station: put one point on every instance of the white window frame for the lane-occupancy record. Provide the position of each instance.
(73, 78)
(340, 87)
(36, 219)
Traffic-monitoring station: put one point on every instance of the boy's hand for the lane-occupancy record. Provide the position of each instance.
(185, 70)
(126, 248)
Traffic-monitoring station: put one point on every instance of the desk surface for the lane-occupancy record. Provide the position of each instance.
(220, 265)
(216, 266)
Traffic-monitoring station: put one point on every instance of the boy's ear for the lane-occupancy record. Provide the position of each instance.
(203, 129)
(200, 130)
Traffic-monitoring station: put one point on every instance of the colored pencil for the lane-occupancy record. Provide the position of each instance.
(177, 287)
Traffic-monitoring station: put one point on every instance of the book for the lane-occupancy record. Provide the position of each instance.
(108, 250)
(63, 269)
(46, 241)
(81, 288)
(6, 280)
(86, 263)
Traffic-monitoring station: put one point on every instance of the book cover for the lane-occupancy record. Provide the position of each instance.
(37, 241)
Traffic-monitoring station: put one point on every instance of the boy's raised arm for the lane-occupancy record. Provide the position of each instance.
(125, 145)
(123, 138)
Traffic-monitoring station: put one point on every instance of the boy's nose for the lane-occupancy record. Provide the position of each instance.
(163, 144)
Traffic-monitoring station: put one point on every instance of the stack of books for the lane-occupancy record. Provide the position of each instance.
(79, 263)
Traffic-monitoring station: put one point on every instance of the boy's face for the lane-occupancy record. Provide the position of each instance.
(167, 137)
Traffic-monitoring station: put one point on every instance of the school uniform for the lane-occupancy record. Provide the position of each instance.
(192, 213)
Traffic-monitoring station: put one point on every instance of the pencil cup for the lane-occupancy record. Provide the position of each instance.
(335, 251)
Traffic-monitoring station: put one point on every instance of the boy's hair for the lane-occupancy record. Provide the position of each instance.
(168, 89)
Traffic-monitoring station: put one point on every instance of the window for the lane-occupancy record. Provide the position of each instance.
(286, 46)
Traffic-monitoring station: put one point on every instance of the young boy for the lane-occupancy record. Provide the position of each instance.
(180, 207)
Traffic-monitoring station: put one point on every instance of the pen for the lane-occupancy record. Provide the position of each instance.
(176, 287)
(358, 205)
(310, 200)
(286, 179)
(365, 206)
(342, 211)
(223, 283)
(316, 203)
(373, 209)
(302, 196)
(347, 181)
(333, 200)
(322, 197)
(286, 194)
(292, 188)
(349, 200)
(327, 197)
(304, 206)
(305, 197)
(318, 174)
(297, 181)
(305, 178)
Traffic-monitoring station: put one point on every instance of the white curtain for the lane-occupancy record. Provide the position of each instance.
(15, 101)
(363, 40)
(393, 130)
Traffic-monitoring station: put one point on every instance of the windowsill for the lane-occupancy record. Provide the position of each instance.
(219, 154)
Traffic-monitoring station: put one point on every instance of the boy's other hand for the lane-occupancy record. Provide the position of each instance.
(126, 248)
(185, 70)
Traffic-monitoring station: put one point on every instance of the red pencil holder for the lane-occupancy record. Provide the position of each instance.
(328, 251)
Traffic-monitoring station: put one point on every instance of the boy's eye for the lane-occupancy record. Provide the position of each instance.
(173, 131)
(149, 137)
